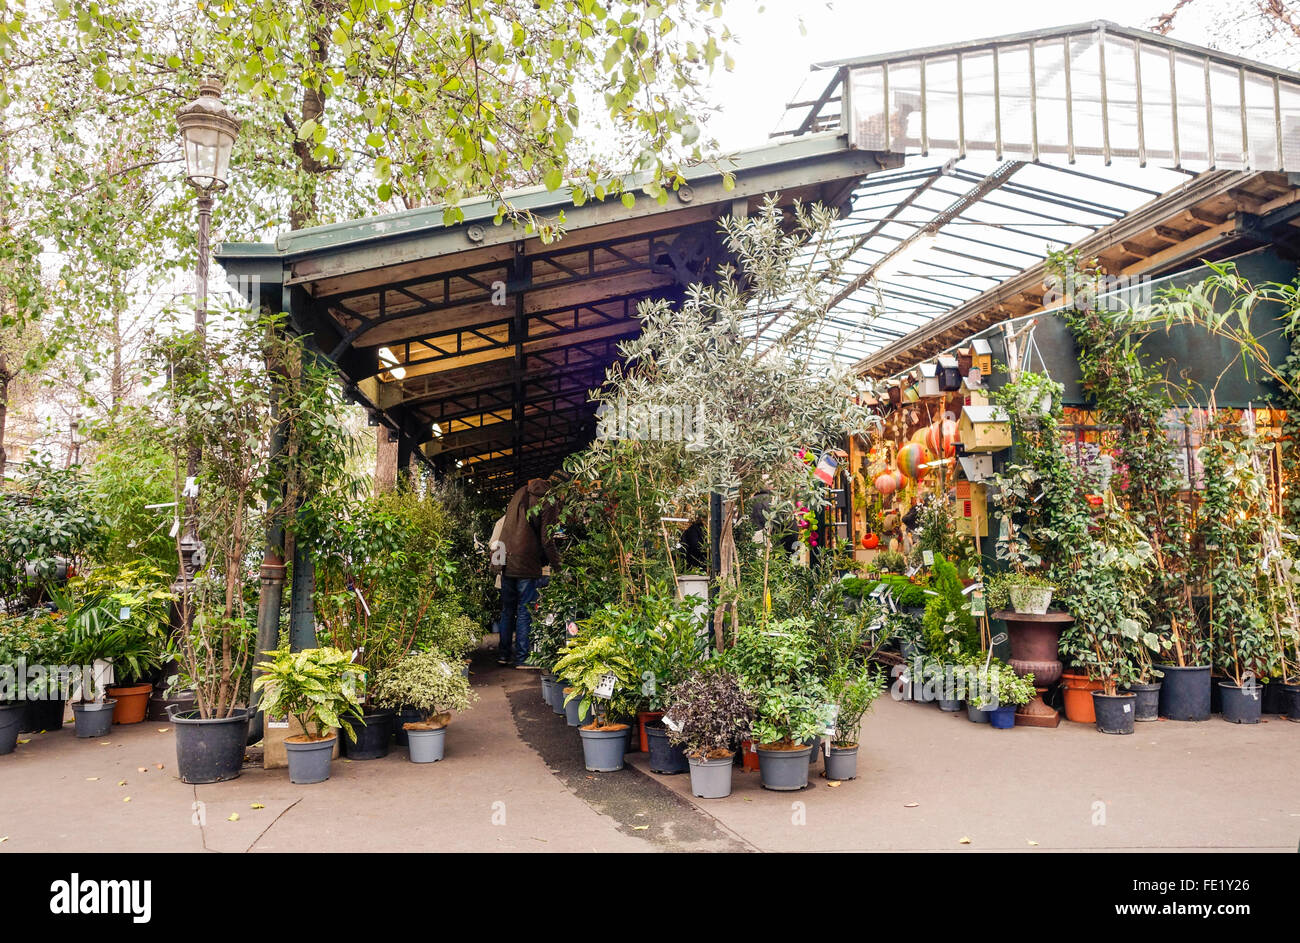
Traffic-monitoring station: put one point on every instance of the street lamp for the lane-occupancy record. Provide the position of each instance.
(208, 132)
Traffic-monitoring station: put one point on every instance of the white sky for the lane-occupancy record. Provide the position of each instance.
(772, 57)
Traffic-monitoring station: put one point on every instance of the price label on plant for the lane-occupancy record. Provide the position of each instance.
(672, 725)
(571, 628)
(977, 607)
(124, 613)
(998, 639)
(927, 557)
(605, 689)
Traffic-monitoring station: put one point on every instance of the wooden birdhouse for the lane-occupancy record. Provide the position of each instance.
(982, 356)
(984, 428)
(973, 392)
(949, 375)
(927, 379)
(977, 466)
(972, 509)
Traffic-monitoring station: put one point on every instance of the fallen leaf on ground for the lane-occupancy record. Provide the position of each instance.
(164, 729)
(234, 817)
(142, 769)
(92, 779)
(122, 782)
(158, 766)
(256, 805)
(25, 741)
(4, 839)
(105, 743)
(1034, 844)
(963, 841)
(910, 805)
(639, 828)
(126, 799)
(833, 783)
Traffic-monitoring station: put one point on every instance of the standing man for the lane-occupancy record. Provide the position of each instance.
(529, 545)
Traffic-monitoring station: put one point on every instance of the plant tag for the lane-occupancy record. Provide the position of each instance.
(998, 639)
(176, 526)
(927, 557)
(191, 489)
(1127, 708)
(671, 724)
(550, 618)
(124, 613)
(977, 608)
(605, 689)
(572, 628)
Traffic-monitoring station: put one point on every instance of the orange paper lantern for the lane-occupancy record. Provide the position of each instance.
(941, 438)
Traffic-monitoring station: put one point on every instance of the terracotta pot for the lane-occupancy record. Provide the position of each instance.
(643, 718)
(1077, 691)
(132, 703)
(748, 756)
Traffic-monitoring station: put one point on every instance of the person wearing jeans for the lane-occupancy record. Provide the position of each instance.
(528, 546)
(517, 597)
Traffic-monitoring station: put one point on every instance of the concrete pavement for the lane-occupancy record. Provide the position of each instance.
(513, 780)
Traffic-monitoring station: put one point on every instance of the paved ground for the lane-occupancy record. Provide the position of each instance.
(513, 780)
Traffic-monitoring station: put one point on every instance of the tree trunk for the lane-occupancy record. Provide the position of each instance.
(385, 462)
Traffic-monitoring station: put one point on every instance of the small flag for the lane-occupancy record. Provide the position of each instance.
(825, 470)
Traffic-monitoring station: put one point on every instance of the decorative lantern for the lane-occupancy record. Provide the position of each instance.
(885, 483)
(870, 541)
(911, 460)
(941, 438)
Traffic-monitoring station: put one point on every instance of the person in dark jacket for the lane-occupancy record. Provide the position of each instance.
(529, 545)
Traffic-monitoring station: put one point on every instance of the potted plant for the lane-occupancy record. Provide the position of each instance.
(135, 601)
(600, 681)
(708, 714)
(315, 686)
(103, 640)
(853, 689)
(995, 689)
(434, 687)
(776, 665)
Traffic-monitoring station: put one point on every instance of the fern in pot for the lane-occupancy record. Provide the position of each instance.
(434, 687)
(708, 714)
(317, 688)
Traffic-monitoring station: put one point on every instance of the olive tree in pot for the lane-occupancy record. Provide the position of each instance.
(601, 682)
(434, 687)
(317, 687)
(708, 714)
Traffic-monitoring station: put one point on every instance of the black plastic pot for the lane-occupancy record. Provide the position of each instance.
(11, 718)
(209, 751)
(93, 719)
(1216, 695)
(1293, 701)
(664, 756)
(374, 733)
(407, 715)
(43, 715)
(1115, 712)
(1241, 704)
(1146, 707)
(1185, 692)
(1275, 700)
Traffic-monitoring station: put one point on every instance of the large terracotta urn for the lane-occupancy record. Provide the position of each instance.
(1035, 649)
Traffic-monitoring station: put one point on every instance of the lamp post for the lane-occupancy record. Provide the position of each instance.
(208, 132)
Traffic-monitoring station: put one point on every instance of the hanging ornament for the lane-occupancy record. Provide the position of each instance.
(911, 460)
(885, 483)
(870, 541)
(941, 438)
